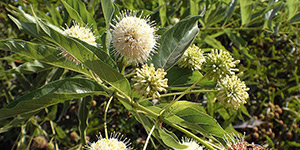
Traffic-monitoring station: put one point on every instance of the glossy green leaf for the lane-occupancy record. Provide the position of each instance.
(170, 139)
(206, 122)
(292, 7)
(51, 94)
(246, 8)
(230, 10)
(183, 76)
(43, 53)
(77, 10)
(174, 42)
(31, 67)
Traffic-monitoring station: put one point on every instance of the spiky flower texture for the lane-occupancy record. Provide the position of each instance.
(192, 145)
(233, 91)
(150, 82)
(115, 142)
(220, 63)
(83, 33)
(134, 37)
(192, 58)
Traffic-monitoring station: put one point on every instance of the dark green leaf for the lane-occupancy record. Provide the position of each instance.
(246, 10)
(174, 42)
(170, 139)
(31, 67)
(51, 94)
(78, 11)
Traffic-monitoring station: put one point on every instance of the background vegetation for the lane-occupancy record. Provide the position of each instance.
(264, 35)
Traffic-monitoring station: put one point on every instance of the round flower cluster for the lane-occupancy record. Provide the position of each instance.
(150, 82)
(233, 91)
(192, 58)
(192, 145)
(234, 142)
(110, 144)
(83, 33)
(220, 63)
(133, 37)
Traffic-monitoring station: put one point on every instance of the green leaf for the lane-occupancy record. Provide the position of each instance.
(43, 53)
(206, 122)
(246, 10)
(174, 42)
(230, 10)
(296, 18)
(213, 42)
(194, 8)
(31, 67)
(182, 76)
(108, 11)
(181, 105)
(77, 10)
(292, 7)
(170, 139)
(162, 12)
(51, 94)
(83, 116)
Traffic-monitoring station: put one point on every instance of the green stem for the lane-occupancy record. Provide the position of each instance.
(123, 67)
(178, 93)
(105, 114)
(182, 94)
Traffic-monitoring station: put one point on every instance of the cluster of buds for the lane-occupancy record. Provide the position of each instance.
(233, 91)
(150, 82)
(192, 58)
(236, 142)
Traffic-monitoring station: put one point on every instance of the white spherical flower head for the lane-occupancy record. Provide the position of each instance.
(150, 82)
(233, 91)
(134, 37)
(83, 33)
(113, 143)
(234, 142)
(192, 145)
(220, 63)
(192, 58)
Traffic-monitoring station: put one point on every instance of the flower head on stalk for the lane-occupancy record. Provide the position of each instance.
(83, 33)
(150, 81)
(192, 58)
(233, 91)
(192, 145)
(115, 142)
(134, 37)
(220, 63)
(234, 142)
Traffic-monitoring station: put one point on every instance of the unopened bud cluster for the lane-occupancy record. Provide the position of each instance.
(150, 81)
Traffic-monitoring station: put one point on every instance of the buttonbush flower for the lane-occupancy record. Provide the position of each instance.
(134, 37)
(115, 142)
(233, 91)
(220, 63)
(83, 33)
(150, 82)
(234, 142)
(192, 58)
(192, 145)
